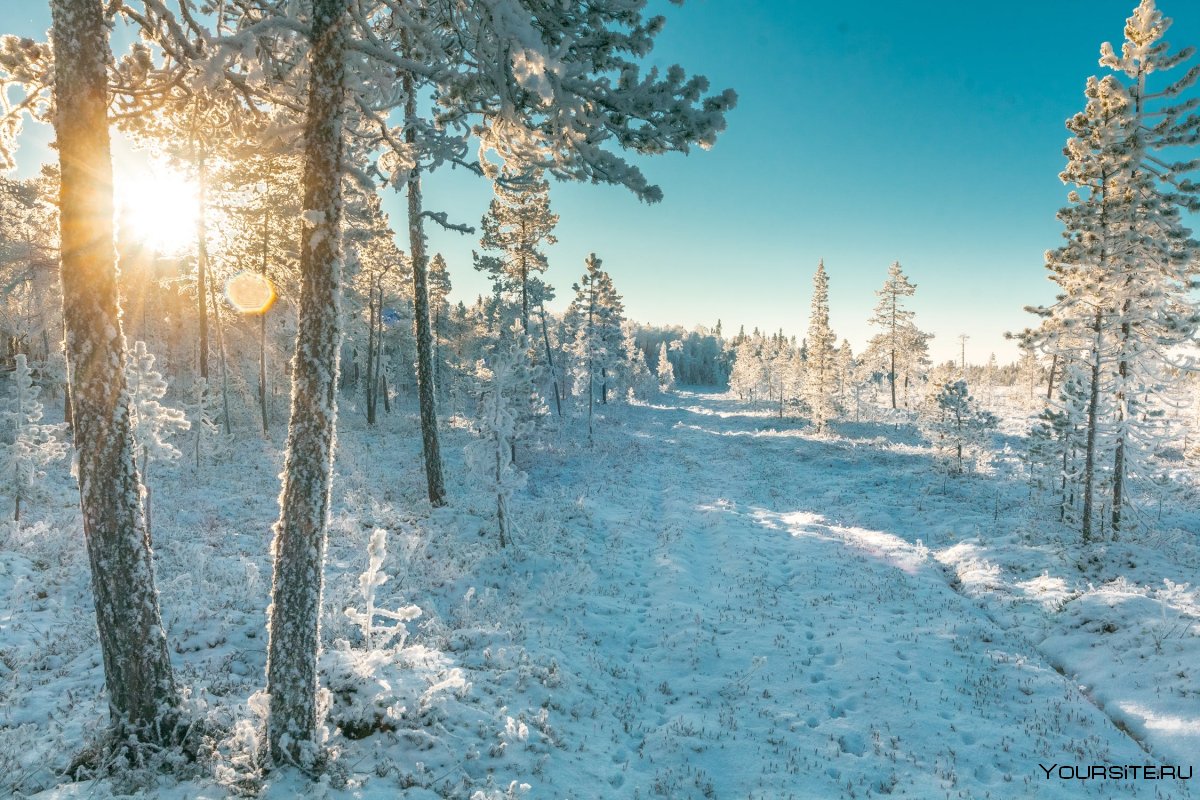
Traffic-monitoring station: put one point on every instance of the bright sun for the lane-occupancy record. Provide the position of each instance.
(157, 205)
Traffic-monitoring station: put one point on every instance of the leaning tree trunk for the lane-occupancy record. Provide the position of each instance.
(300, 533)
(142, 698)
(416, 246)
(550, 358)
(1050, 378)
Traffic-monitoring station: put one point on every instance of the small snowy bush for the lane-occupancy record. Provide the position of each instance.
(28, 445)
(958, 427)
(384, 684)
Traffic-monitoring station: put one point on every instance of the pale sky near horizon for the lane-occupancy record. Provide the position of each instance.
(866, 132)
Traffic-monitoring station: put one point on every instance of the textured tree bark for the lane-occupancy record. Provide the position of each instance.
(299, 544)
(416, 248)
(137, 670)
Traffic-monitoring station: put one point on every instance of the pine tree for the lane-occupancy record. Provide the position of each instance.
(844, 365)
(664, 371)
(820, 378)
(517, 224)
(1155, 310)
(901, 348)
(958, 425)
(201, 416)
(1029, 376)
(439, 307)
(594, 320)
(142, 697)
(28, 445)
(541, 292)
(430, 444)
(748, 376)
(1128, 268)
(300, 533)
(633, 373)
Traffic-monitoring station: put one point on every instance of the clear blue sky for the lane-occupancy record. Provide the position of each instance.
(866, 132)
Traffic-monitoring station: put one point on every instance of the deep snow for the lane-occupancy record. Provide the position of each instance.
(706, 602)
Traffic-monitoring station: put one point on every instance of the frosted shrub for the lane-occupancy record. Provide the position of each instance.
(514, 791)
(27, 445)
(370, 688)
(958, 427)
(205, 437)
(505, 390)
(379, 636)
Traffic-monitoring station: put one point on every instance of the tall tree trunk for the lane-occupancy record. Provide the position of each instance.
(224, 365)
(524, 282)
(149, 503)
(437, 350)
(262, 330)
(1050, 378)
(892, 378)
(380, 375)
(262, 371)
(370, 381)
(892, 374)
(68, 404)
(142, 697)
(300, 533)
(416, 248)
(1118, 498)
(550, 358)
(1093, 413)
(202, 257)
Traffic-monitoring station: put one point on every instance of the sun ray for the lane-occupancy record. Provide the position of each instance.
(156, 206)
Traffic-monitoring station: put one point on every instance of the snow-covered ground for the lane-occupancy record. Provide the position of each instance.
(706, 601)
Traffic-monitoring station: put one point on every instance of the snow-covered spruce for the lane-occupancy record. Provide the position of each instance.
(593, 324)
(820, 369)
(664, 371)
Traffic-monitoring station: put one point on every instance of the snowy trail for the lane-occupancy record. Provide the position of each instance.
(737, 644)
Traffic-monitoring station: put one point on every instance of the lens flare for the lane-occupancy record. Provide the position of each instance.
(250, 293)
